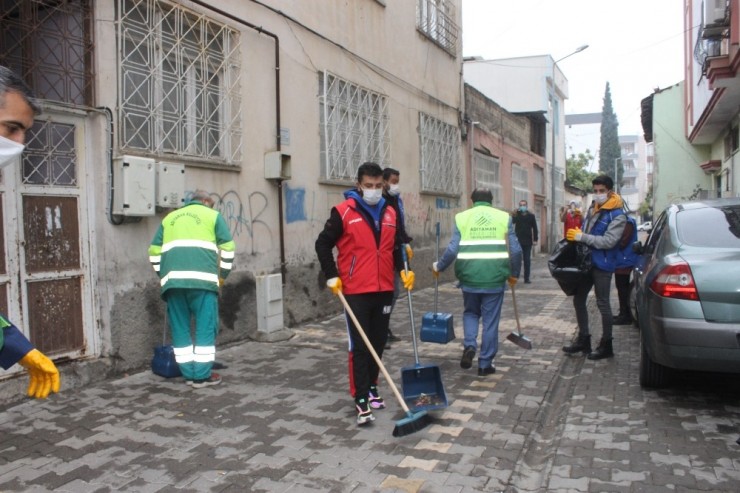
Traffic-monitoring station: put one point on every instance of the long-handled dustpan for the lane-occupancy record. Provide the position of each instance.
(517, 337)
(414, 421)
(422, 384)
(437, 327)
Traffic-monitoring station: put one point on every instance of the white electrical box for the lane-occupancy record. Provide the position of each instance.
(134, 186)
(269, 303)
(277, 166)
(170, 185)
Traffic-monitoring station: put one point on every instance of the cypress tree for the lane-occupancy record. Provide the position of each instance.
(609, 149)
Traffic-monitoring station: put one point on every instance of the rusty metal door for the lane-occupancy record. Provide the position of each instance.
(45, 282)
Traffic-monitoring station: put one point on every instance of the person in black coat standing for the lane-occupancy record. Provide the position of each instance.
(525, 226)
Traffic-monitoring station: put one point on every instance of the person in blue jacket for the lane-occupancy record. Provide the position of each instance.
(17, 111)
(602, 230)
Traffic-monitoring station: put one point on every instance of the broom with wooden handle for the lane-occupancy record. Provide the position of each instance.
(414, 421)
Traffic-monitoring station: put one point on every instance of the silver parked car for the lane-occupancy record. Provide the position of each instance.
(686, 295)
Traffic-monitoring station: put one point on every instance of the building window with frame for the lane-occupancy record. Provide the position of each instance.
(539, 180)
(520, 183)
(354, 128)
(436, 20)
(440, 156)
(487, 175)
(180, 83)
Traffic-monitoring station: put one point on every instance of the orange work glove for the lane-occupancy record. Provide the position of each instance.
(408, 279)
(409, 251)
(512, 281)
(335, 284)
(435, 271)
(44, 375)
(574, 234)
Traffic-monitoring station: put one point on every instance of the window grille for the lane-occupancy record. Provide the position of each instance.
(354, 127)
(50, 157)
(520, 182)
(539, 180)
(440, 156)
(487, 175)
(436, 19)
(49, 44)
(180, 83)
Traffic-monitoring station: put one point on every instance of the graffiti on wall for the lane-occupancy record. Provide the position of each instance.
(245, 218)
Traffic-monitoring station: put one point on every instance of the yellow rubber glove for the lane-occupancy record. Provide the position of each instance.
(42, 372)
(435, 271)
(574, 234)
(512, 281)
(408, 279)
(220, 282)
(335, 284)
(409, 252)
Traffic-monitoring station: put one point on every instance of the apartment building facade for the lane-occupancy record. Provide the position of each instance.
(268, 105)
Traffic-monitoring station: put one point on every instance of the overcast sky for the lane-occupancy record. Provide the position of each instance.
(635, 45)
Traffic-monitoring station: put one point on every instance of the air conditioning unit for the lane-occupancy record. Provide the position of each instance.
(714, 12)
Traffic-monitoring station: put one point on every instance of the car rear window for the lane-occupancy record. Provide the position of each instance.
(717, 227)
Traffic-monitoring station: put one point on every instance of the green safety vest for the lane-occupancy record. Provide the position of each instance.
(483, 258)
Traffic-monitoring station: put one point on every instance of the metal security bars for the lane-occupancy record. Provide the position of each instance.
(487, 175)
(440, 156)
(179, 83)
(436, 19)
(51, 155)
(354, 127)
(48, 42)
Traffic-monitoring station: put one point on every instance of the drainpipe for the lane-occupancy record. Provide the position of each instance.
(260, 30)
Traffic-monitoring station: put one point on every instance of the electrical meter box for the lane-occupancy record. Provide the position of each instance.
(134, 186)
(170, 185)
(277, 166)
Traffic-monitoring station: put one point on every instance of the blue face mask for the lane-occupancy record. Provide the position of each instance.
(522, 208)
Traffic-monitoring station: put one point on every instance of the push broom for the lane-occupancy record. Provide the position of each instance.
(414, 421)
(517, 337)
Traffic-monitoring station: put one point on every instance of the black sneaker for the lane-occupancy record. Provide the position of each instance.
(392, 337)
(214, 379)
(482, 372)
(364, 414)
(376, 402)
(467, 358)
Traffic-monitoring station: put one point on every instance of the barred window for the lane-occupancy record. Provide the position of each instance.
(436, 19)
(440, 156)
(520, 182)
(354, 127)
(180, 87)
(49, 44)
(487, 175)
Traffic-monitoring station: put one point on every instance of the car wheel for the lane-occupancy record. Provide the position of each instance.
(633, 303)
(652, 375)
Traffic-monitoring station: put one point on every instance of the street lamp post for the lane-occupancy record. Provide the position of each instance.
(553, 213)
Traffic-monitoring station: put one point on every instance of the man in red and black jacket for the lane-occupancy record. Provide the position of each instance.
(365, 232)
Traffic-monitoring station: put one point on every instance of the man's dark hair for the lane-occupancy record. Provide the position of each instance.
(605, 180)
(525, 202)
(388, 172)
(9, 81)
(369, 169)
(481, 195)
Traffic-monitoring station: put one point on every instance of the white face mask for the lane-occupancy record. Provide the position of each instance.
(394, 189)
(372, 197)
(600, 198)
(9, 151)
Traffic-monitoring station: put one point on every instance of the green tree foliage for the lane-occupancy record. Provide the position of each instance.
(609, 149)
(646, 208)
(576, 170)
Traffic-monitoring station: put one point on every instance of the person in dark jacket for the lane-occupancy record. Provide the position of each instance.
(392, 196)
(365, 232)
(525, 226)
(602, 230)
(625, 264)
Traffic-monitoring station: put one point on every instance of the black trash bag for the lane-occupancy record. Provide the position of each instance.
(570, 265)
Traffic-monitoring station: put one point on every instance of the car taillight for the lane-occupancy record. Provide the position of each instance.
(675, 281)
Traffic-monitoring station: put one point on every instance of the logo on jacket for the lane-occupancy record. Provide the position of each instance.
(358, 219)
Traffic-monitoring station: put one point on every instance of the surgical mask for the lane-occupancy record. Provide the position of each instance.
(600, 198)
(9, 151)
(394, 189)
(372, 197)
(522, 208)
